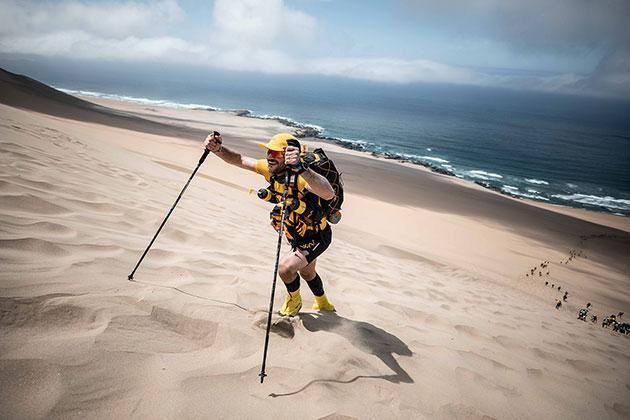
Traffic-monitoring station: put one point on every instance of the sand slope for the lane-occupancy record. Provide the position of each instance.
(436, 318)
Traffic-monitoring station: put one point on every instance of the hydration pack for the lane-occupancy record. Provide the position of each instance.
(320, 163)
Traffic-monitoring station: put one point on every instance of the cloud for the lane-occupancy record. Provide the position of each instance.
(425, 71)
(244, 34)
(109, 30)
(79, 44)
(262, 60)
(107, 18)
(390, 70)
(533, 25)
(255, 35)
(248, 24)
(270, 37)
(611, 75)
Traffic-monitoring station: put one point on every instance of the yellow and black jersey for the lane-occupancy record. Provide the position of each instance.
(307, 218)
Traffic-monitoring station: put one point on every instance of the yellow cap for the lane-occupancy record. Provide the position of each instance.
(278, 142)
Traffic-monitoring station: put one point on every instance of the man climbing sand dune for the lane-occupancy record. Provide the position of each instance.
(305, 226)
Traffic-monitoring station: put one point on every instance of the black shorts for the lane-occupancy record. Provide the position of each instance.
(315, 245)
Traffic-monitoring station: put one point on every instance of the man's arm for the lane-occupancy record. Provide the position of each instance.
(318, 184)
(215, 145)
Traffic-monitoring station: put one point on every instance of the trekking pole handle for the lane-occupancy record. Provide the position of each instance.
(206, 152)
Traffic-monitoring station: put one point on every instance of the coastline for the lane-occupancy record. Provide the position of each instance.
(599, 217)
(437, 315)
(491, 181)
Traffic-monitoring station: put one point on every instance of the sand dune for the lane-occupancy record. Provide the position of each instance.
(436, 316)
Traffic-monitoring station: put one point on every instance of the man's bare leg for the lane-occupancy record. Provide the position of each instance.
(290, 265)
(308, 273)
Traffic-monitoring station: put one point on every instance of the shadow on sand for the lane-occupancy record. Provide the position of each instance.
(364, 336)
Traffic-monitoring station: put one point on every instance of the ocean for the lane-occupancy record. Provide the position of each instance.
(566, 150)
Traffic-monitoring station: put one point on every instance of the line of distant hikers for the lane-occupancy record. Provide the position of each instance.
(613, 320)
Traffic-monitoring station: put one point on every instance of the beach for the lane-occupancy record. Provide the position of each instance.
(439, 314)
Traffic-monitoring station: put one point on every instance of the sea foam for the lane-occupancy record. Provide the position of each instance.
(594, 200)
(509, 189)
(536, 181)
(138, 100)
(484, 175)
(435, 159)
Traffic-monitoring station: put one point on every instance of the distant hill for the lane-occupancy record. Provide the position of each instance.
(20, 91)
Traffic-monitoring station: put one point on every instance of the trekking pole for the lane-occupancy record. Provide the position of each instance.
(275, 275)
(201, 160)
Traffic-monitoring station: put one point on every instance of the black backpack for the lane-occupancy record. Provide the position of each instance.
(320, 163)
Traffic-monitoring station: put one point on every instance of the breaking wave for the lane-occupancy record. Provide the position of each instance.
(435, 159)
(484, 175)
(143, 101)
(594, 200)
(536, 181)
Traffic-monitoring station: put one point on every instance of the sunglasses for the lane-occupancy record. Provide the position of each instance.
(275, 153)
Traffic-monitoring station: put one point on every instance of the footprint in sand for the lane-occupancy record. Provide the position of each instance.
(162, 331)
(541, 354)
(474, 359)
(337, 416)
(619, 409)
(583, 366)
(453, 411)
(508, 342)
(469, 376)
(281, 325)
(534, 373)
(468, 330)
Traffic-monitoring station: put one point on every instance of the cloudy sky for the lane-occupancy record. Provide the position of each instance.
(571, 46)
